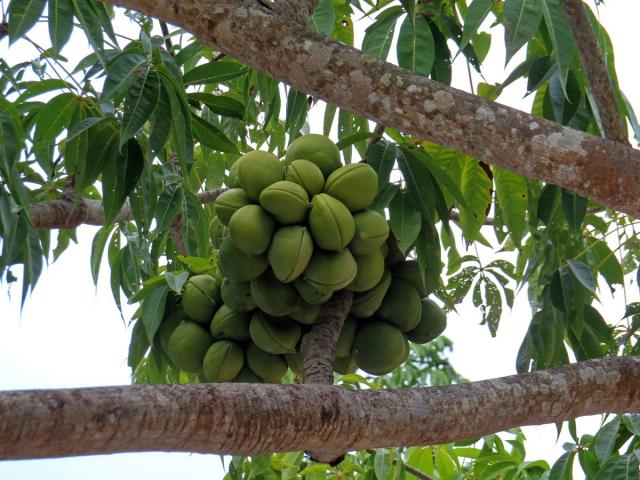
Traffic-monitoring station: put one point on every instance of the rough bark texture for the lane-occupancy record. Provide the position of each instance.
(69, 212)
(251, 419)
(297, 11)
(604, 170)
(596, 70)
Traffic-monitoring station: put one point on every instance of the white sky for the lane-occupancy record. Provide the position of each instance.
(71, 335)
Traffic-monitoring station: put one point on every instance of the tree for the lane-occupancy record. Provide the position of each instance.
(148, 154)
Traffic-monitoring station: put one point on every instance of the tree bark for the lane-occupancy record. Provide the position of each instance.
(595, 68)
(248, 419)
(603, 170)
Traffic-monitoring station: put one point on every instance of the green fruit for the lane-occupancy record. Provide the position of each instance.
(365, 304)
(330, 271)
(344, 345)
(371, 232)
(223, 361)
(237, 295)
(188, 344)
(216, 231)
(410, 270)
(394, 255)
(310, 294)
(257, 171)
(433, 321)
(229, 324)
(401, 305)
(306, 313)
(379, 347)
(355, 185)
(251, 229)
(239, 266)
(228, 202)
(275, 336)
(167, 326)
(307, 175)
(288, 202)
(290, 252)
(330, 222)
(370, 271)
(317, 149)
(295, 362)
(265, 365)
(246, 375)
(274, 297)
(345, 365)
(234, 178)
(201, 298)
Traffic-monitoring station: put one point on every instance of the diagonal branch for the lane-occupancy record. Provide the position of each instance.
(248, 419)
(603, 170)
(596, 70)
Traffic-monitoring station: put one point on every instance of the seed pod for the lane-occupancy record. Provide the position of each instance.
(275, 336)
(306, 313)
(330, 222)
(433, 322)
(330, 271)
(344, 345)
(355, 185)
(317, 149)
(365, 304)
(201, 298)
(251, 229)
(307, 175)
(188, 344)
(371, 232)
(237, 295)
(290, 252)
(370, 271)
(228, 202)
(401, 305)
(238, 265)
(223, 361)
(310, 294)
(288, 202)
(267, 366)
(274, 297)
(229, 324)
(379, 347)
(257, 171)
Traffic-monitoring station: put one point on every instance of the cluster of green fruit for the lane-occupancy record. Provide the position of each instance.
(289, 234)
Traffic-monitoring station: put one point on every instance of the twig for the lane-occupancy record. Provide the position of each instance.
(378, 133)
(167, 37)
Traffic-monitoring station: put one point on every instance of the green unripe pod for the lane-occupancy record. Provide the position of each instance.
(330, 271)
(317, 149)
(306, 313)
(295, 362)
(238, 265)
(401, 306)
(237, 295)
(344, 345)
(229, 324)
(330, 222)
(167, 326)
(257, 171)
(409, 270)
(310, 294)
(274, 297)
(307, 175)
(234, 178)
(201, 298)
(365, 304)
(288, 202)
(275, 336)
(433, 321)
(290, 252)
(371, 232)
(345, 365)
(223, 361)
(228, 202)
(394, 255)
(216, 231)
(246, 375)
(251, 229)
(188, 344)
(379, 347)
(370, 271)
(355, 185)
(267, 366)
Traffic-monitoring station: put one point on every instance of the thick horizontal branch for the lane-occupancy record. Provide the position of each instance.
(250, 419)
(604, 170)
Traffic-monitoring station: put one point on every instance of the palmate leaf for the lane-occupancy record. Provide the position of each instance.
(23, 15)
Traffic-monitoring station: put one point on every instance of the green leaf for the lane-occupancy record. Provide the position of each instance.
(23, 14)
(562, 469)
(176, 280)
(153, 305)
(624, 467)
(383, 464)
(181, 119)
(632, 422)
(103, 145)
(415, 48)
(420, 458)
(583, 274)
(97, 250)
(160, 127)
(138, 346)
(60, 22)
(521, 21)
(296, 111)
(547, 203)
(476, 187)
(419, 183)
(575, 208)
(91, 26)
(119, 178)
(43, 86)
(476, 13)
(214, 72)
(382, 157)
(169, 205)
(122, 72)
(605, 440)
(605, 261)
(353, 138)
(512, 195)
(560, 35)
(141, 102)
(8, 144)
(211, 136)
(31, 259)
(379, 35)
(323, 18)
(428, 250)
(220, 104)
(53, 118)
(405, 221)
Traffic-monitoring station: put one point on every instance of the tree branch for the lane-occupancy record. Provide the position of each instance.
(606, 171)
(296, 11)
(249, 419)
(596, 70)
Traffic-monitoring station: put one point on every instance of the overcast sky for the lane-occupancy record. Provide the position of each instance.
(70, 334)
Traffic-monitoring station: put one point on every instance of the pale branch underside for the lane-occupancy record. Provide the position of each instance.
(249, 419)
(595, 68)
(603, 170)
